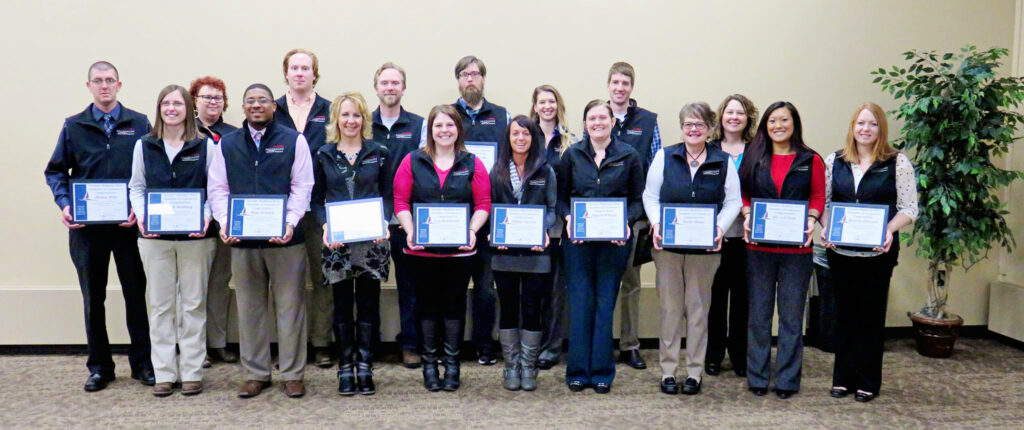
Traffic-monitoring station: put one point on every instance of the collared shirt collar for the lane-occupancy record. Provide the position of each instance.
(472, 113)
(253, 131)
(97, 114)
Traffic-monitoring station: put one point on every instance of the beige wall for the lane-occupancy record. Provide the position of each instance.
(816, 54)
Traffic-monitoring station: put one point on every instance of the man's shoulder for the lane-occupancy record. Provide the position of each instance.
(128, 114)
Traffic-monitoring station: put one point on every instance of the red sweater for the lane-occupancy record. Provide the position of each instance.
(780, 166)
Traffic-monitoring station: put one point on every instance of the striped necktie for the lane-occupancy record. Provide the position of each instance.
(108, 124)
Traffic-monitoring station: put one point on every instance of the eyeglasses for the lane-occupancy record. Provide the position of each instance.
(474, 75)
(168, 103)
(211, 99)
(252, 101)
(694, 125)
(108, 81)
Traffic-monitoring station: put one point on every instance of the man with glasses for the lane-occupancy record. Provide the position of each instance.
(254, 160)
(482, 122)
(97, 144)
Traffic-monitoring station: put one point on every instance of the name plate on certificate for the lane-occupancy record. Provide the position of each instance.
(441, 224)
(256, 216)
(689, 226)
(174, 211)
(517, 226)
(778, 221)
(99, 201)
(356, 220)
(601, 219)
(487, 152)
(858, 225)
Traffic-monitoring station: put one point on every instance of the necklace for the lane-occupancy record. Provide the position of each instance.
(693, 160)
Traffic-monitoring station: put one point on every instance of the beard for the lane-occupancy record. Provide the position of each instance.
(472, 95)
(390, 100)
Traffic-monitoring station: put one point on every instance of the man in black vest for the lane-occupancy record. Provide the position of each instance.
(638, 128)
(484, 122)
(303, 110)
(402, 132)
(263, 157)
(97, 144)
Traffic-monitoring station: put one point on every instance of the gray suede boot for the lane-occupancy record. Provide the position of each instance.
(509, 339)
(528, 359)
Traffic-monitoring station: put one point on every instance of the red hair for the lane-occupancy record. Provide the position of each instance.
(208, 81)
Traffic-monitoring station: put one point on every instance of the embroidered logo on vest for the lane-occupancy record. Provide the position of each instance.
(461, 172)
(713, 172)
(126, 131)
(635, 131)
(276, 149)
(404, 135)
(488, 121)
(318, 118)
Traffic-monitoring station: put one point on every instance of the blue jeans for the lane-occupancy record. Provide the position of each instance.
(786, 276)
(593, 273)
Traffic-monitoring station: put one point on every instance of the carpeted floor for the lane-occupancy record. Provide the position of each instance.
(982, 386)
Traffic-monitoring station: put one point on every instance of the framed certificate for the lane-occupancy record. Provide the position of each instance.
(778, 221)
(689, 226)
(517, 226)
(256, 216)
(99, 201)
(356, 220)
(598, 219)
(487, 152)
(174, 211)
(441, 224)
(857, 225)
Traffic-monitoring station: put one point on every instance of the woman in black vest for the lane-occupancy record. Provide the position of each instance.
(691, 172)
(597, 166)
(441, 172)
(351, 166)
(866, 170)
(522, 176)
(174, 155)
(779, 165)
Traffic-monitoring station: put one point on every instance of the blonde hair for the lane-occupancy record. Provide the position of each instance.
(333, 136)
(882, 151)
(560, 122)
(385, 66)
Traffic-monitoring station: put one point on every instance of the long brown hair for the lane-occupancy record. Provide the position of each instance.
(191, 131)
(460, 142)
(718, 133)
(883, 151)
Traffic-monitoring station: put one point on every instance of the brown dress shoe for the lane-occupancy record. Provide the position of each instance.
(191, 388)
(252, 388)
(227, 356)
(163, 389)
(294, 389)
(410, 359)
(206, 362)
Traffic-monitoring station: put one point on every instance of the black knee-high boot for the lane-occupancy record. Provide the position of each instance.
(346, 374)
(429, 333)
(452, 342)
(364, 368)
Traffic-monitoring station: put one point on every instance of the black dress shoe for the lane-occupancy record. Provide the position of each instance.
(691, 386)
(713, 369)
(863, 396)
(741, 371)
(577, 386)
(633, 359)
(758, 391)
(97, 381)
(669, 386)
(602, 388)
(838, 392)
(145, 376)
(485, 357)
(784, 394)
(545, 364)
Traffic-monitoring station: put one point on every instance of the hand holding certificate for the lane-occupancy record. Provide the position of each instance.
(598, 219)
(690, 226)
(100, 202)
(782, 222)
(858, 225)
(518, 226)
(355, 221)
(253, 217)
(441, 225)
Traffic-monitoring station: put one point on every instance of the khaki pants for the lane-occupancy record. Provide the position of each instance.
(177, 272)
(259, 273)
(321, 314)
(629, 297)
(218, 297)
(684, 292)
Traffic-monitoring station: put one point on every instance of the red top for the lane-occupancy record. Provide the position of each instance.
(403, 193)
(780, 166)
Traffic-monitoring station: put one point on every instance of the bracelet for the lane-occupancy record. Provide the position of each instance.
(816, 219)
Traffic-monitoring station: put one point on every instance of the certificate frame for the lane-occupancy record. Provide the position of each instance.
(492, 145)
(757, 212)
(495, 223)
(85, 182)
(382, 233)
(231, 206)
(837, 216)
(202, 201)
(665, 212)
(576, 203)
(416, 211)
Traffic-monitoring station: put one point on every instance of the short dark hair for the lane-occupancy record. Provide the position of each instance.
(260, 86)
(102, 65)
(464, 62)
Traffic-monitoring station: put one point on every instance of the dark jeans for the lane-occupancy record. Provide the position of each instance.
(441, 284)
(727, 319)
(408, 336)
(785, 276)
(554, 308)
(593, 271)
(485, 300)
(521, 292)
(861, 285)
(90, 248)
(364, 293)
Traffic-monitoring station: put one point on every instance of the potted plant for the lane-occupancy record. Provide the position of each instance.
(958, 116)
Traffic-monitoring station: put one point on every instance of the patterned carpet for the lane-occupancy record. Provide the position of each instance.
(980, 387)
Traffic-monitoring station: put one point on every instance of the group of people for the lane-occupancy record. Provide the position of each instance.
(318, 151)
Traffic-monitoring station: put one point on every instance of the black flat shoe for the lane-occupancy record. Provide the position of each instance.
(602, 388)
(545, 364)
(691, 386)
(577, 386)
(713, 369)
(485, 357)
(838, 392)
(741, 371)
(669, 386)
(145, 376)
(863, 396)
(97, 381)
(784, 394)
(633, 359)
(758, 391)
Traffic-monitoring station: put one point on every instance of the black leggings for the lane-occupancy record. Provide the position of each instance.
(535, 287)
(440, 284)
(364, 291)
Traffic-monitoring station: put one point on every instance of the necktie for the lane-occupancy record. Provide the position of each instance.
(108, 124)
(257, 138)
